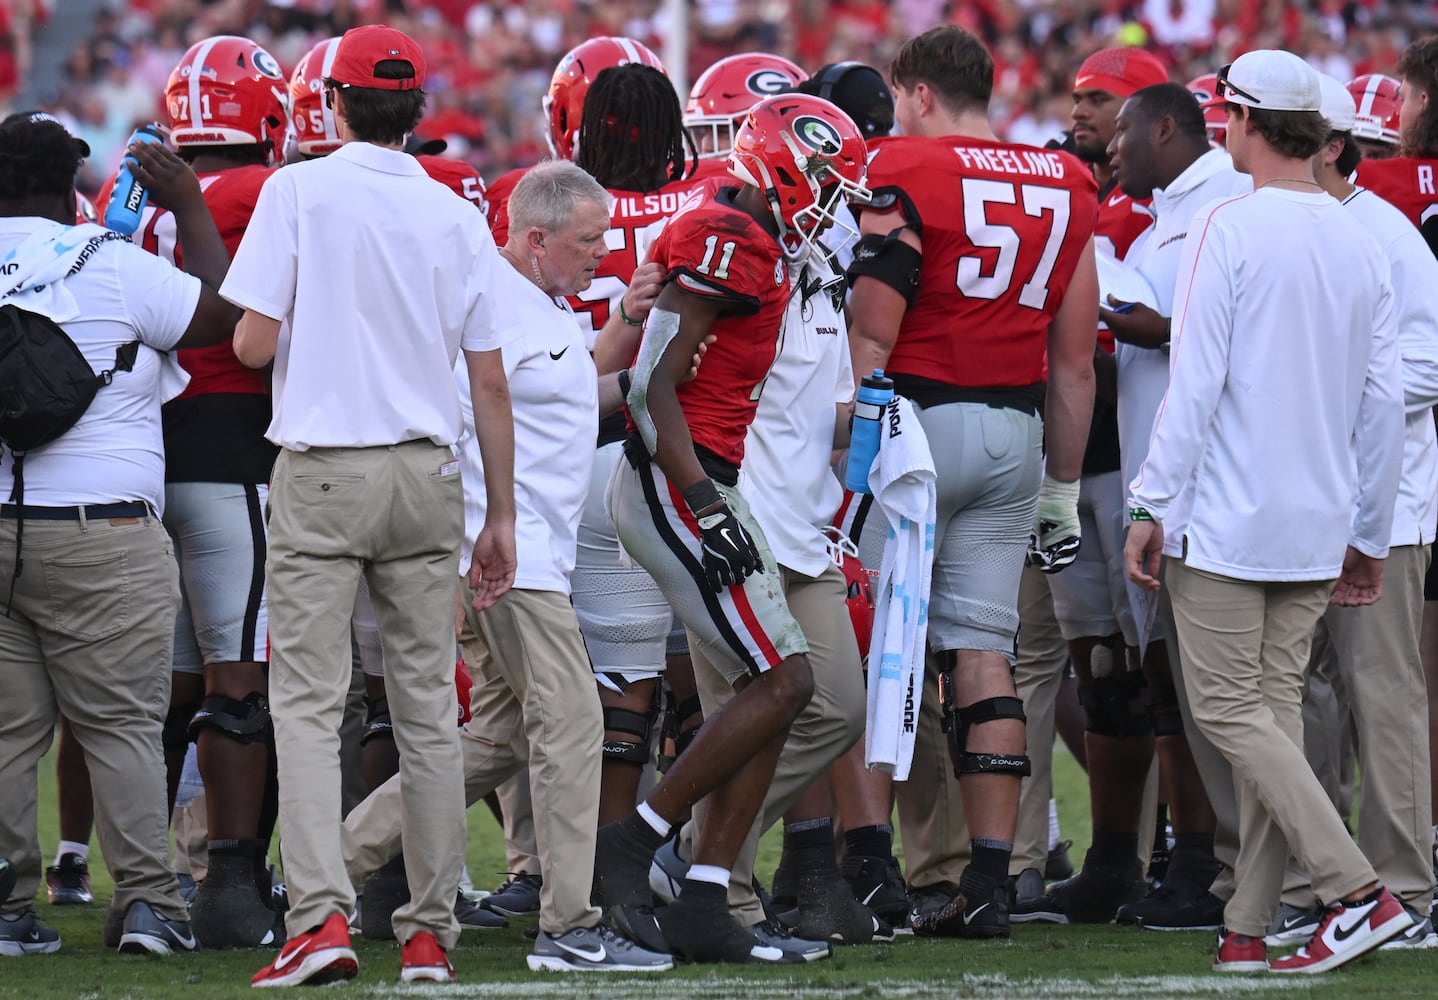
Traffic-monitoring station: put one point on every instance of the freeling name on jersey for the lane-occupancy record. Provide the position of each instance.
(1032, 162)
(649, 205)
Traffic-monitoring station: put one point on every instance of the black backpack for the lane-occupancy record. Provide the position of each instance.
(46, 385)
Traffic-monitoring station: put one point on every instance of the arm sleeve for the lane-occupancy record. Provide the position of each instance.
(159, 298)
(1378, 435)
(1202, 332)
(263, 274)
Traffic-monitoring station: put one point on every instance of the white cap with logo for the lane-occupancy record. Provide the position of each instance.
(1270, 80)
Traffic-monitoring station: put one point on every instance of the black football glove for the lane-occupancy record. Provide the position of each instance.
(730, 554)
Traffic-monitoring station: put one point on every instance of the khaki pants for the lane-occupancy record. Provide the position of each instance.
(1245, 648)
(90, 633)
(533, 703)
(931, 811)
(828, 726)
(1374, 651)
(1043, 654)
(392, 514)
(521, 853)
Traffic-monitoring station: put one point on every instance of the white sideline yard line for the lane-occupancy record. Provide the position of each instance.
(994, 986)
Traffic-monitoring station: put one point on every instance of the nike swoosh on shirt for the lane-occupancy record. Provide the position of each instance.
(556, 357)
(589, 955)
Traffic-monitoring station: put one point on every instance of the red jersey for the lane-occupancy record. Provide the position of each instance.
(231, 195)
(1406, 182)
(1003, 226)
(712, 249)
(1121, 221)
(634, 220)
(459, 176)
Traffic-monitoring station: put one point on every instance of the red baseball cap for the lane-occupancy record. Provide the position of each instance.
(1121, 72)
(361, 50)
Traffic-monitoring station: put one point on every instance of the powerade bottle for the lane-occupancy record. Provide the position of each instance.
(875, 393)
(128, 200)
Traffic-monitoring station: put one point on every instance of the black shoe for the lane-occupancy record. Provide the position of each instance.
(878, 884)
(1158, 866)
(472, 918)
(622, 856)
(68, 883)
(828, 911)
(1030, 905)
(516, 897)
(385, 891)
(1094, 895)
(979, 909)
(1174, 906)
(699, 927)
(145, 932)
(784, 889)
(228, 913)
(1059, 865)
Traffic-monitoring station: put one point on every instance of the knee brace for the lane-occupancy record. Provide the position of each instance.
(1161, 703)
(1108, 706)
(246, 721)
(675, 739)
(636, 724)
(175, 736)
(957, 722)
(377, 724)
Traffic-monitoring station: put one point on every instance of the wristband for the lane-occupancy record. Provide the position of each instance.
(702, 494)
(1139, 514)
(624, 383)
(625, 316)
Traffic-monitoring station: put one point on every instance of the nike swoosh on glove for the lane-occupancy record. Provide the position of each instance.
(729, 553)
(1056, 537)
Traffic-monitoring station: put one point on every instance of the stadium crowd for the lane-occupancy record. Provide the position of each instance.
(1146, 462)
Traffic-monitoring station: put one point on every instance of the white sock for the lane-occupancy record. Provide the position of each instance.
(656, 822)
(70, 847)
(712, 874)
(1054, 834)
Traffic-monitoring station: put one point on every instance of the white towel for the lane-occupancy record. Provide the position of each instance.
(902, 482)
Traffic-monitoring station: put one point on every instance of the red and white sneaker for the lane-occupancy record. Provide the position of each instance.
(1347, 931)
(424, 960)
(323, 955)
(1240, 953)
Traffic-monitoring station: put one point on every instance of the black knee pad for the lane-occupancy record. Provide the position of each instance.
(377, 723)
(175, 736)
(636, 724)
(675, 712)
(957, 722)
(244, 721)
(1107, 706)
(1163, 713)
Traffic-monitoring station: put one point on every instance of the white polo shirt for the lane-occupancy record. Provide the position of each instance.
(786, 475)
(116, 451)
(1284, 410)
(1415, 299)
(382, 280)
(553, 389)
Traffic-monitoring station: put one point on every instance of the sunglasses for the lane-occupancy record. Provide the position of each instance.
(1225, 87)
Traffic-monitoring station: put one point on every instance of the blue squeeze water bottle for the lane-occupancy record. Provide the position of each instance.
(875, 393)
(128, 200)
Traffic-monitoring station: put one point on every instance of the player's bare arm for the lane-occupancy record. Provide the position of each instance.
(876, 309)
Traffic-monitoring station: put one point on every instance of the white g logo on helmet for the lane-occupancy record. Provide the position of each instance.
(818, 134)
(265, 63)
(767, 82)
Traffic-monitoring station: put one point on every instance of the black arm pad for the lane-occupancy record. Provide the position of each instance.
(890, 260)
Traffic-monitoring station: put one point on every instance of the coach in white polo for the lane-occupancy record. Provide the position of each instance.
(382, 282)
(1272, 473)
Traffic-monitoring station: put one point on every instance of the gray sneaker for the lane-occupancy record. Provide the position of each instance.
(1292, 925)
(145, 932)
(1420, 935)
(667, 871)
(594, 949)
(519, 897)
(1030, 903)
(22, 934)
(773, 934)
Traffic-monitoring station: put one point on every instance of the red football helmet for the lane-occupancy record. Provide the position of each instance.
(1204, 88)
(725, 92)
(227, 91)
(807, 156)
(564, 104)
(858, 585)
(311, 123)
(1377, 98)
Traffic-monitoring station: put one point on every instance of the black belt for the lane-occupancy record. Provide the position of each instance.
(90, 512)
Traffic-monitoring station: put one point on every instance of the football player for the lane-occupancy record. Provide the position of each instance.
(976, 263)
(1376, 128)
(1410, 179)
(227, 106)
(722, 96)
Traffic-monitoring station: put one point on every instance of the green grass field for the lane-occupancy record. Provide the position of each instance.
(1040, 961)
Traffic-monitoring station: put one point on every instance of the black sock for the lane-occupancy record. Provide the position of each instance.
(1193, 844)
(814, 834)
(705, 894)
(870, 841)
(638, 829)
(1114, 848)
(991, 862)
